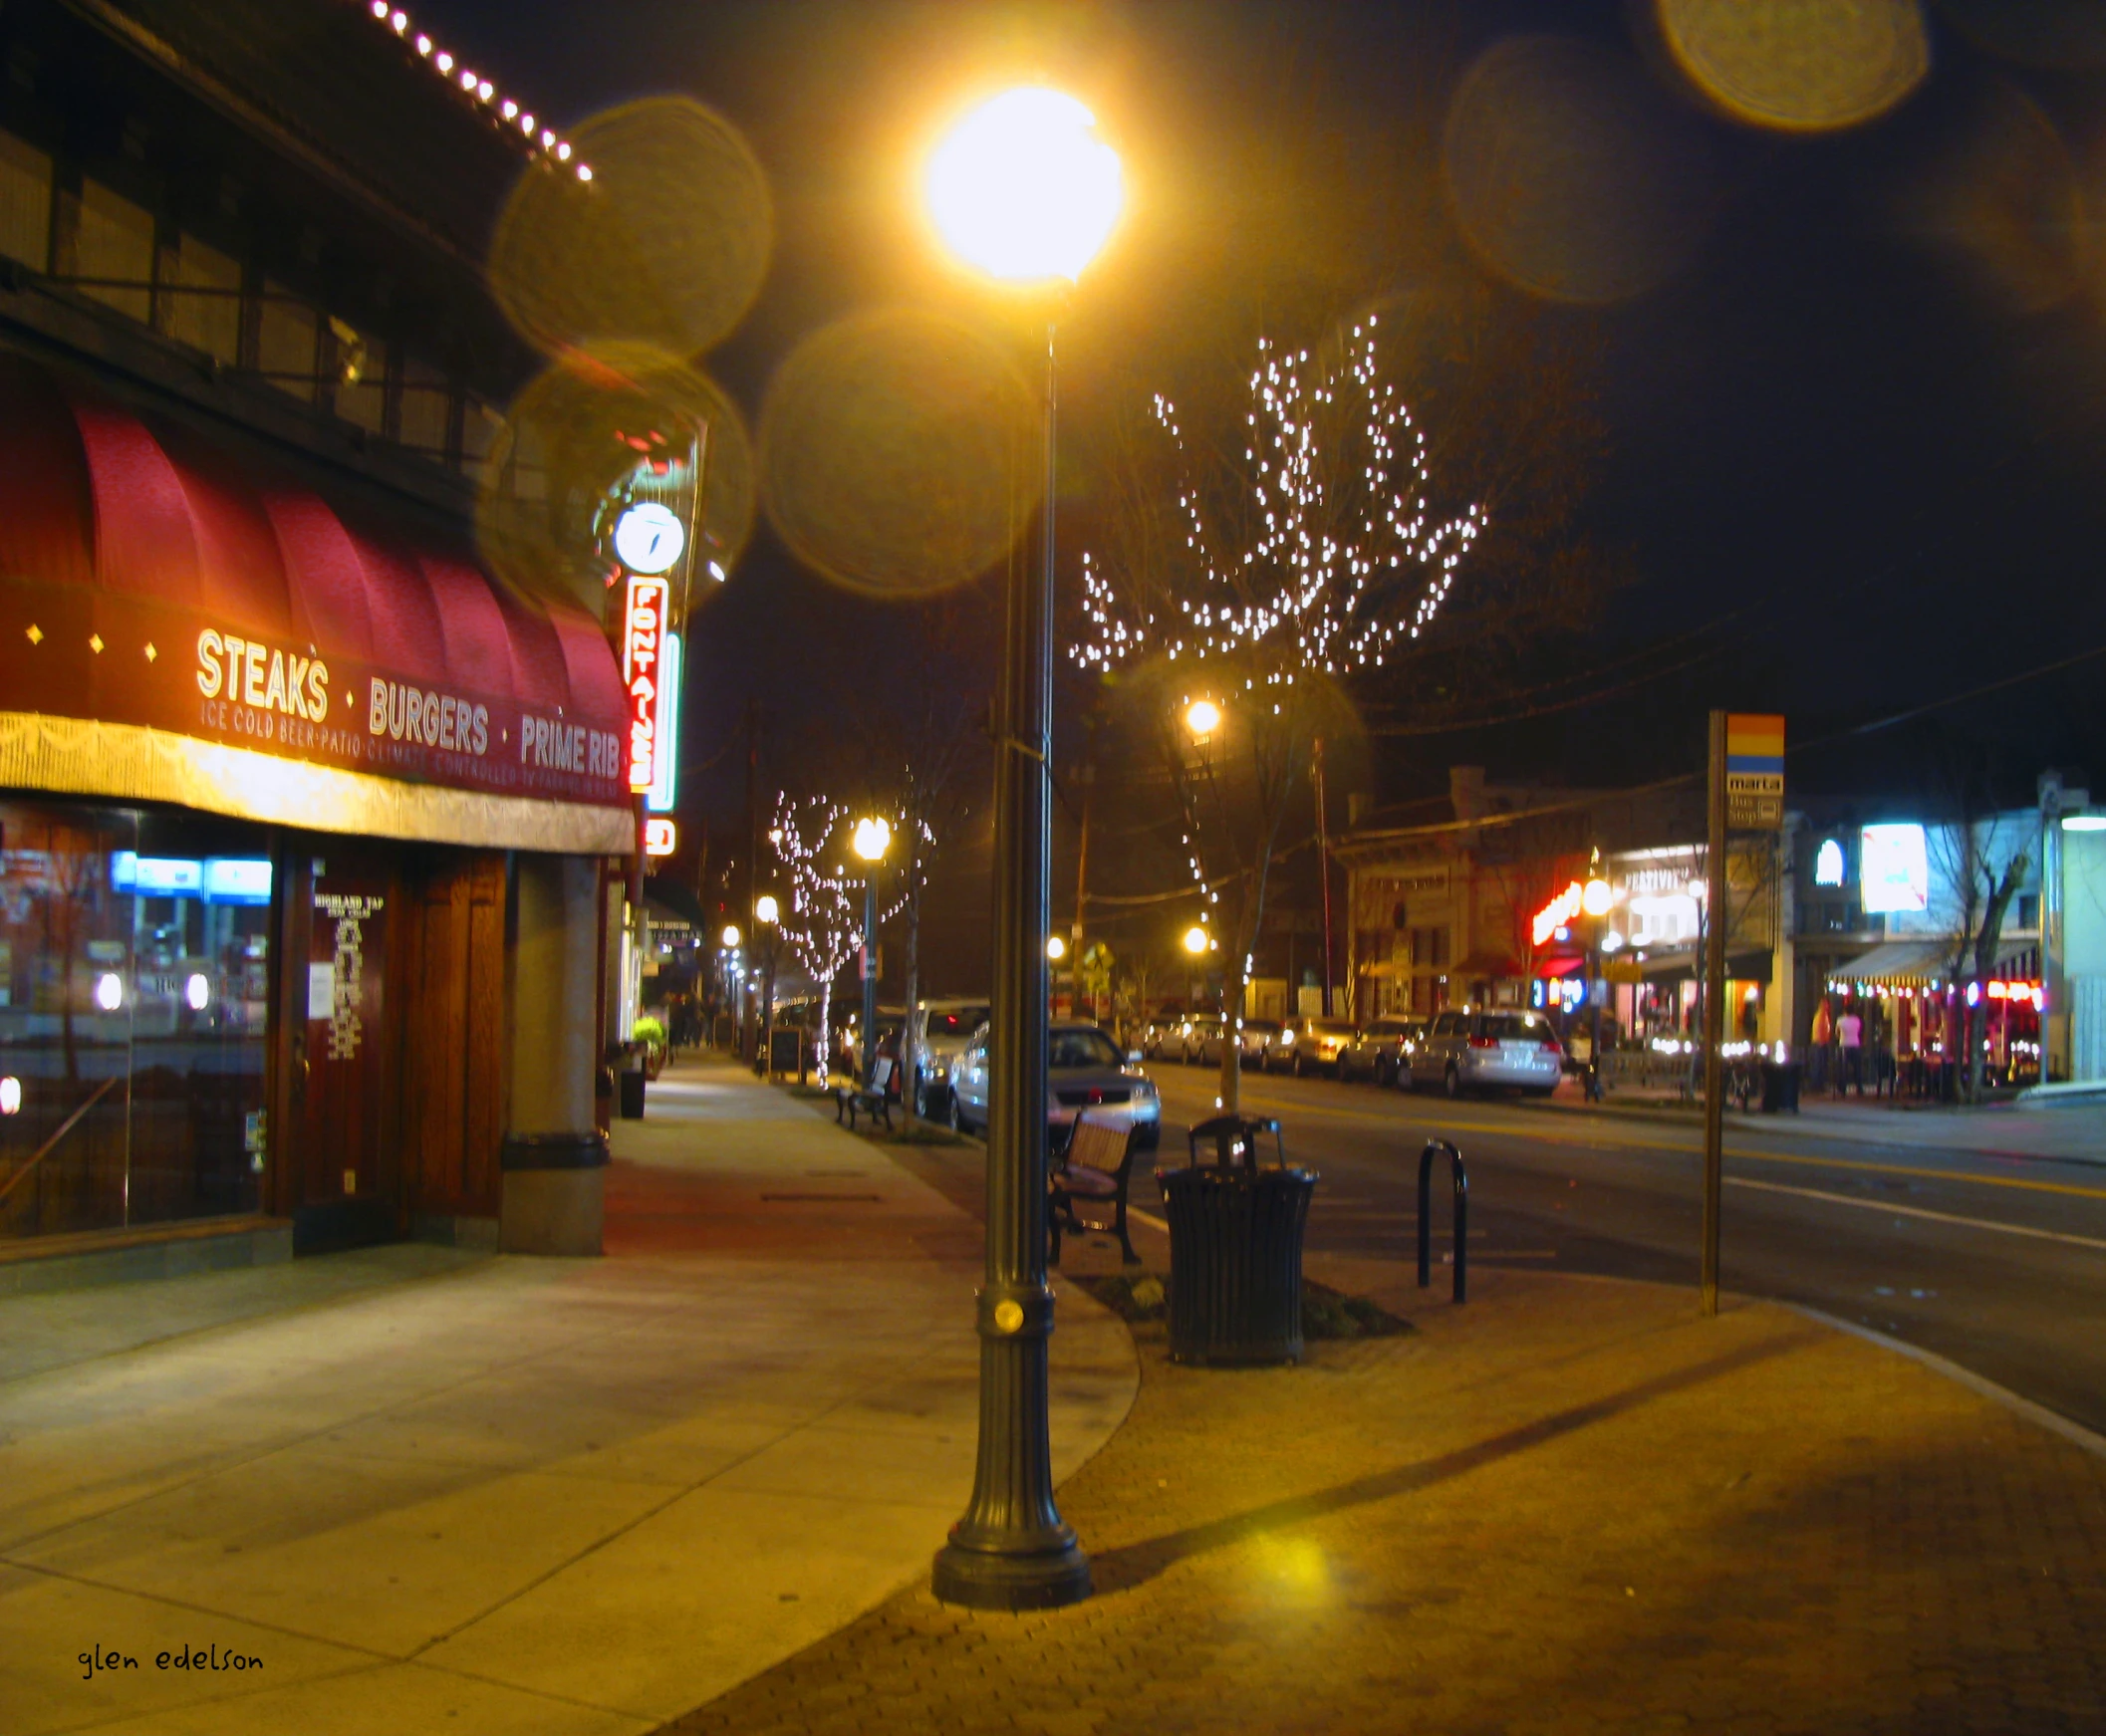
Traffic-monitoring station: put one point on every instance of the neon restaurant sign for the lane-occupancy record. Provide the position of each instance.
(642, 676)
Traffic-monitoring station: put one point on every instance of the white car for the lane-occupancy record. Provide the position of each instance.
(941, 1031)
(1086, 1073)
(1468, 1050)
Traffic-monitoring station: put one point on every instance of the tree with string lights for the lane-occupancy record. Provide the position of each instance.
(823, 923)
(1248, 579)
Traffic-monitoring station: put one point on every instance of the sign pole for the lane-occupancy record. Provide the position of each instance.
(1715, 919)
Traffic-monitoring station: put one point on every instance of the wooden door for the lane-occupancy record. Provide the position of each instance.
(453, 1034)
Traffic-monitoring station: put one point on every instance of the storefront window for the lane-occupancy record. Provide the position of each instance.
(133, 981)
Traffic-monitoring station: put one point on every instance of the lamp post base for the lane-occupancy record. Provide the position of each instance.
(978, 1579)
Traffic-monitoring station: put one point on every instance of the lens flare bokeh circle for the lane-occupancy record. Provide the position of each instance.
(1800, 66)
(899, 452)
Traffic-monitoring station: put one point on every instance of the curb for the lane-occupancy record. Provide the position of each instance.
(2053, 1421)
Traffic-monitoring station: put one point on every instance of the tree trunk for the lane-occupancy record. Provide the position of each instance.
(910, 1042)
(826, 1029)
(1987, 939)
(1231, 1036)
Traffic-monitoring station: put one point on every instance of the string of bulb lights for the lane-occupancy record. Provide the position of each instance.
(543, 139)
(823, 923)
(1346, 564)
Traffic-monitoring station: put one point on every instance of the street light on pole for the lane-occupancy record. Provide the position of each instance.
(1024, 191)
(872, 838)
(1595, 899)
(767, 916)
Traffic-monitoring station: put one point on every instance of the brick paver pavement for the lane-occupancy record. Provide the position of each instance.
(1570, 1506)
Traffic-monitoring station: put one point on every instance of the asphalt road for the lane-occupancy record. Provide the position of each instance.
(1997, 1264)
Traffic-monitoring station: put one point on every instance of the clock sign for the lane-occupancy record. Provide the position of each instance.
(649, 538)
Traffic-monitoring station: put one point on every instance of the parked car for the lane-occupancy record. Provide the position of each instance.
(1257, 1037)
(1476, 1049)
(1086, 1073)
(941, 1031)
(1309, 1046)
(1377, 1052)
(1162, 1031)
(1200, 1040)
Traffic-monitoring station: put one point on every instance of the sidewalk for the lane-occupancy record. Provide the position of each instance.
(2065, 1132)
(1569, 1506)
(433, 1491)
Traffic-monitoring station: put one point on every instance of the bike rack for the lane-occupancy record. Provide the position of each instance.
(1460, 1177)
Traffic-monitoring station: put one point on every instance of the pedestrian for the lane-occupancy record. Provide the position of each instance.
(1822, 1037)
(1850, 1034)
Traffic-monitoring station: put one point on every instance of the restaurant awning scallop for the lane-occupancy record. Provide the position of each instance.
(179, 623)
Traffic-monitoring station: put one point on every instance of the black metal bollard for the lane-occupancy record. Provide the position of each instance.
(1460, 1177)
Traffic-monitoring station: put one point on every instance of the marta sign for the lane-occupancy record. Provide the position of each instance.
(1755, 772)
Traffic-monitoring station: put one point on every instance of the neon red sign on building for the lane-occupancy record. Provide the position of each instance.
(642, 642)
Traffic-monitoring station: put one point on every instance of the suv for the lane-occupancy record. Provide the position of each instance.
(1467, 1050)
(941, 1031)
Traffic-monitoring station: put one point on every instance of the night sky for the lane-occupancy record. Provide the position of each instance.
(1849, 381)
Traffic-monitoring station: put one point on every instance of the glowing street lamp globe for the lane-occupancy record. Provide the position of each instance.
(766, 911)
(872, 839)
(1024, 189)
(1596, 896)
(731, 936)
(1203, 717)
(1056, 948)
(1196, 940)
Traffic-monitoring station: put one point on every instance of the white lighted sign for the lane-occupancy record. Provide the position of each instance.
(1828, 863)
(643, 644)
(666, 784)
(238, 879)
(1893, 869)
(649, 538)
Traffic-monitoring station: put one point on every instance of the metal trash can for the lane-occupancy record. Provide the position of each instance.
(1235, 1248)
(630, 1080)
(1780, 1086)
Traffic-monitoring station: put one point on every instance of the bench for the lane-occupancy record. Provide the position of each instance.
(873, 1100)
(1095, 1168)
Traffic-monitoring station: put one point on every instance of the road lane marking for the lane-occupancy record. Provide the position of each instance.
(1627, 1142)
(1915, 1211)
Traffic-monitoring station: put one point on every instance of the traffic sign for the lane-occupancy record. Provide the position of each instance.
(1755, 772)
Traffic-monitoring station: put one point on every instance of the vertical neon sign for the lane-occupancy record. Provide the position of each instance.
(642, 673)
(664, 784)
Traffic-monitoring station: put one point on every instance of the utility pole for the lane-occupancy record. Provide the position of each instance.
(1323, 861)
(1715, 916)
(750, 924)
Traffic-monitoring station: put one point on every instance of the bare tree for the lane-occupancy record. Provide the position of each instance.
(1981, 860)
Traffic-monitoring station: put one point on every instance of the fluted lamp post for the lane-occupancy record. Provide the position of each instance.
(1023, 192)
(873, 837)
(1595, 900)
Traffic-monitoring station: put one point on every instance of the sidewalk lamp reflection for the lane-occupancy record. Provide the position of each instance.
(108, 991)
(197, 991)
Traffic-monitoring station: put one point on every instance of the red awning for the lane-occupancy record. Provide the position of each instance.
(151, 577)
(1550, 967)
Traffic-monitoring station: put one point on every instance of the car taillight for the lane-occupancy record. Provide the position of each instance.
(1484, 1042)
(1550, 1046)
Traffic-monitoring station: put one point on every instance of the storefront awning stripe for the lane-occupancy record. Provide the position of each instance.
(81, 757)
(1899, 964)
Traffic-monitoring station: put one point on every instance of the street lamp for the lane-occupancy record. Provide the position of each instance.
(1056, 948)
(1203, 717)
(1196, 940)
(767, 913)
(872, 838)
(1024, 191)
(1595, 900)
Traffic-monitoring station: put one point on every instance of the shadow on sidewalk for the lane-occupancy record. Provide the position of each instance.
(1134, 1564)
